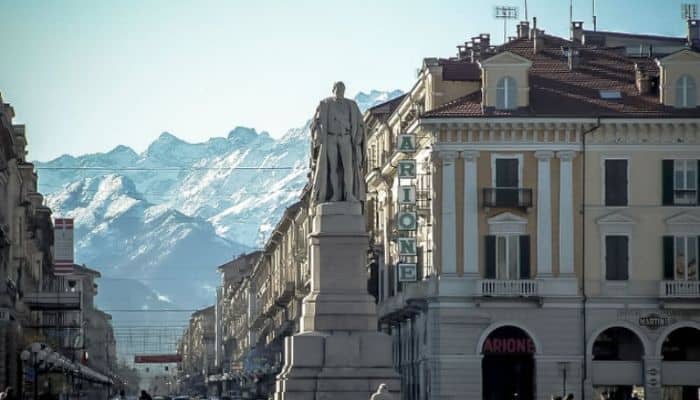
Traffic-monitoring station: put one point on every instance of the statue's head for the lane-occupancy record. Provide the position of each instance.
(339, 90)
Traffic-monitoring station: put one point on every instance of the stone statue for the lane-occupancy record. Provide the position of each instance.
(337, 150)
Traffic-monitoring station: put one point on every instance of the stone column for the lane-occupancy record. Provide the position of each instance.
(544, 214)
(471, 214)
(566, 213)
(449, 214)
(338, 354)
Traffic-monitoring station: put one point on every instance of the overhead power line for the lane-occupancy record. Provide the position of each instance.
(165, 168)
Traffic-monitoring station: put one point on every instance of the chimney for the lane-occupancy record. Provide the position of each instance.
(577, 31)
(641, 80)
(484, 41)
(523, 29)
(536, 36)
(573, 58)
(694, 32)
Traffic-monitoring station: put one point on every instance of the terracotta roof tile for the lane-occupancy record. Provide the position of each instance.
(557, 91)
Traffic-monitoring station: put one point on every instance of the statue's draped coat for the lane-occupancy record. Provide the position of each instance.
(322, 190)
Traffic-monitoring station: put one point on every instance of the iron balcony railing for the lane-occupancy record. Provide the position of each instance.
(507, 197)
(507, 288)
(685, 289)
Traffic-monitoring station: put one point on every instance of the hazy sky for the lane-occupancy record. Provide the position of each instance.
(85, 76)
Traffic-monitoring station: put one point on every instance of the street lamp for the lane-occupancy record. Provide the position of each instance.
(37, 354)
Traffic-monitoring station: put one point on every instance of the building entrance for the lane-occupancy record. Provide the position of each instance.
(508, 366)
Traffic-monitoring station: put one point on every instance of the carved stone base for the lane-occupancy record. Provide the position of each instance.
(338, 354)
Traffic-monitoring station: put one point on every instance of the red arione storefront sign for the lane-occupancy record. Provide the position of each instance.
(509, 346)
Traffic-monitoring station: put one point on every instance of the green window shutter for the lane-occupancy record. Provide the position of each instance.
(667, 182)
(490, 256)
(524, 257)
(668, 257)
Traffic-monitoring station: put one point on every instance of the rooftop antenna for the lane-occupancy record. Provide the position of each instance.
(505, 13)
(689, 11)
(594, 17)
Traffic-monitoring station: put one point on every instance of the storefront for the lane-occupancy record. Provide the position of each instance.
(680, 366)
(617, 366)
(508, 365)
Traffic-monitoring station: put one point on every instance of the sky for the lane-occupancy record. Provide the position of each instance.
(86, 76)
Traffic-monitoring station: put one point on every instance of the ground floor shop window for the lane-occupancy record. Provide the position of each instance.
(681, 393)
(619, 392)
(508, 366)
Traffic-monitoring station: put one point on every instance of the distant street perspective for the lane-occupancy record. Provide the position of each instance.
(417, 200)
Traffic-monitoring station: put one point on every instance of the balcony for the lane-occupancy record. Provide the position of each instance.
(680, 289)
(286, 294)
(47, 301)
(507, 288)
(504, 197)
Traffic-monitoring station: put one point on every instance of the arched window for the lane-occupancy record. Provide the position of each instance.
(506, 93)
(686, 93)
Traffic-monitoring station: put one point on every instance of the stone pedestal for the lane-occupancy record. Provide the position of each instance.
(338, 354)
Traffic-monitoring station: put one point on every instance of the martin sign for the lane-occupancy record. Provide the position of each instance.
(407, 219)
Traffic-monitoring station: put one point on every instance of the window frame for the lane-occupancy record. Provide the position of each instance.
(684, 171)
(507, 90)
(684, 84)
(686, 239)
(604, 180)
(507, 240)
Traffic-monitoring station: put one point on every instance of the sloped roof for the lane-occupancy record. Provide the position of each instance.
(557, 91)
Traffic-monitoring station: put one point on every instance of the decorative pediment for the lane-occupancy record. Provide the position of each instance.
(615, 219)
(683, 224)
(507, 222)
(506, 58)
(685, 218)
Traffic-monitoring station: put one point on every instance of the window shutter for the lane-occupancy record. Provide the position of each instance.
(524, 257)
(616, 258)
(668, 257)
(667, 182)
(490, 256)
(623, 259)
(610, 257)
(697, 185)
(615, 182)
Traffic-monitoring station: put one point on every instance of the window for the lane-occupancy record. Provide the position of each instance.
(616, 182)
(680, 182)
(616, 258)
(507, 257)
(685, 92)
(681, 258)
(506, 94)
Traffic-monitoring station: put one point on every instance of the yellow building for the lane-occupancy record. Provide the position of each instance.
(520, 200)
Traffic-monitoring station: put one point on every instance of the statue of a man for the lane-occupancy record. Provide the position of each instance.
(337, 149)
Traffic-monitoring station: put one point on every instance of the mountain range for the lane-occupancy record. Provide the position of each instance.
(156, 224)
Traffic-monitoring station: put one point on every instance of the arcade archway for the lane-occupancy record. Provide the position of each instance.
(508, 365)
(680, 352)
(618, 355)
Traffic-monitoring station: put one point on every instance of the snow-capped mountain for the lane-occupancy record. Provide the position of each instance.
(179, 209)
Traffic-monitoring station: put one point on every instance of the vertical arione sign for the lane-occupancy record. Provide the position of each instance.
(407, 218)
(63, 246)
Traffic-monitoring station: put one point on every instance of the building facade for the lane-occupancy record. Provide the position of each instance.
(532, 212)
(504, 209)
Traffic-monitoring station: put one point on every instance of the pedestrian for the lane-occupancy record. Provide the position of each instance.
(8, 394)
(121, 395)
(569, 396)
(145, 396)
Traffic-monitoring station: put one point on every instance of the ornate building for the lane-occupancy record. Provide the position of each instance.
(533, 214)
